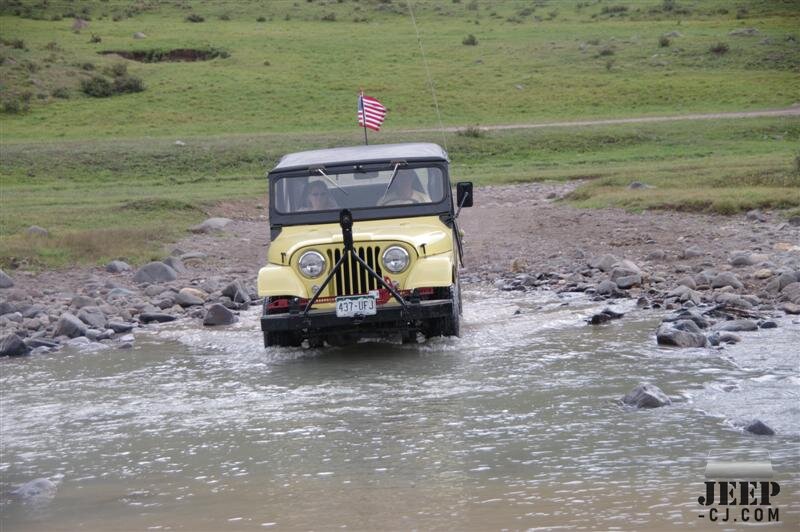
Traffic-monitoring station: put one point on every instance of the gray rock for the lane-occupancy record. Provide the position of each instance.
(759, 428)
(692, 315)
(35, 343)
(176, 264)
(732, 300)
(790, 308)
(70, 326)
(237, 292)
(692, 252)
(5, 280)
(794, 221)
(120, 327)
(218, 315)
(158, 317)
(741, 258)
(609, 289)
(736, 325)
(656, 255)
(687, 326)
(117, 266)
(35, 230)
(646, 395)
(188, 298)
(211, 225)
(37, 492)
(193, 255)
(688, 282)
(604, 316)
(93, 317)
(12, 346)
(139, 35)
(6, 308)
(638, 185)
(120, 292)
(79, 302)
(668, 335)
(726, 279)
(768, 324)
(604, 263)
(629, 281)
(756, 216)
(155, 272)
(718, 338)
(31, 311)
(155, 289)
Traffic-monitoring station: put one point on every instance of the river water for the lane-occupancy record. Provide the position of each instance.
(515, 425)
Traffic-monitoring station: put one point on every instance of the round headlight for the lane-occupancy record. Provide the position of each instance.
(395, 259)
(312, 264)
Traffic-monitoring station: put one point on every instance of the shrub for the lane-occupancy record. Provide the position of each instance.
(128, 84)
(473, 6)
(797, 164)
(87, 66)
(52, 46)
(329, 17)
(224, 16)
(60, 92)
(611, 10)
(606, 51)
(472, 132)
(19, 44)
(720, 48)
(95, 39)
(663, 41)
(117, 69)
(97, 87)
(470, 40)
(609, 64)
(261, 19)
(194, 17)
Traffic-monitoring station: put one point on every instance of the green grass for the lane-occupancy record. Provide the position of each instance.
(302, 74)
(106, 177)
(156, 189)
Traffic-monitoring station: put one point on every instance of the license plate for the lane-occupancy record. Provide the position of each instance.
(349, 306)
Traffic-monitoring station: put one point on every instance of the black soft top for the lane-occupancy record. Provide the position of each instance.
(407, 151)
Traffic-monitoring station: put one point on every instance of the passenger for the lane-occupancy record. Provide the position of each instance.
(317, 197)
(402, 191)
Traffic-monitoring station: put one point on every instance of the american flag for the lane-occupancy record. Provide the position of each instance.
(370, 112)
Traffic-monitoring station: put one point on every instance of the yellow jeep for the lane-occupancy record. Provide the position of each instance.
(364, 242)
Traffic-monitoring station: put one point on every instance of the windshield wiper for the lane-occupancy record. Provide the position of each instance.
(331, 180)
(391, 180)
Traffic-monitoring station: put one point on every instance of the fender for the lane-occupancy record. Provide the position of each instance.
(274, 280)
(436, 270)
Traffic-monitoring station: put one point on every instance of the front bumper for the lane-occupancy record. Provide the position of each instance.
(387, 319)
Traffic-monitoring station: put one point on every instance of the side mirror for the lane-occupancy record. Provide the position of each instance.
(464, 194)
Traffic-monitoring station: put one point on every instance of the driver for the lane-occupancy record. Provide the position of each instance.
(317, 197)
(402, 191)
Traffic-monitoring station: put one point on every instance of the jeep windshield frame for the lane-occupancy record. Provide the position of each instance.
(443, 205)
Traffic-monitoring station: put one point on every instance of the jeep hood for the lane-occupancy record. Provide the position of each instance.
(427, 230)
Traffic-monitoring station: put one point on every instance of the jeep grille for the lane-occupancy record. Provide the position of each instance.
(352, 278)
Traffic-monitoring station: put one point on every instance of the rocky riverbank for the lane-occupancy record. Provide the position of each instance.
(713, 276)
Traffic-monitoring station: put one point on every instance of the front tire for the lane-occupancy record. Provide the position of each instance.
(449, 325)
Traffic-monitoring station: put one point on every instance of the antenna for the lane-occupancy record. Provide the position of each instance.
(427, 73)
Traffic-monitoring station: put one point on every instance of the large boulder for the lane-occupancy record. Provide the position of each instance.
(692, 315)
(93, 317)
(759, 428)
(37, 492)
(736, 326)
(13, 346)
(35, 230)
(6, 308)
(69, 325)
(117, 266)
(646, 395)
(158, 317)
(189, 297)
(5, 280)
(679, 337)
(217, 314)
(726, 279)
(604, 262)
(718, 338)
(237, 292)
(155, 272)
(210, 225)
(176, 264)
(628, 281)
(609, 289)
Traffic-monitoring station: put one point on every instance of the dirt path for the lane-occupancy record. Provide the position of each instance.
(789, 111)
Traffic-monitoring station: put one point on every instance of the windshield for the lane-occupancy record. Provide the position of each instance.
(323, 191)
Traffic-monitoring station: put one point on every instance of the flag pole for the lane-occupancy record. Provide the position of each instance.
(363, 117)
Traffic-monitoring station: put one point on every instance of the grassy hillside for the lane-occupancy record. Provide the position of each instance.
(297, 65)
(107, 178)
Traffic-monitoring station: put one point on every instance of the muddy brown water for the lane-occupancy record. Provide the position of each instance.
(515, 425)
